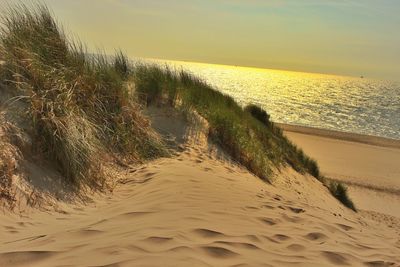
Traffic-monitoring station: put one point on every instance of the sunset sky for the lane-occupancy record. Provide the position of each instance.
(337, 36)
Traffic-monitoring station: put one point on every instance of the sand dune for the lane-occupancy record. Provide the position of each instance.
(195, 210)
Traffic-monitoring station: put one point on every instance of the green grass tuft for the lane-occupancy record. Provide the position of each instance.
(339, 191)
(259, 114)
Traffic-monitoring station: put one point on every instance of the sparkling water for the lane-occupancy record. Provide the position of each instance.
(348, 104)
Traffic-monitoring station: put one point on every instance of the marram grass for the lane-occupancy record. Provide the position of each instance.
(81, 106)
(246, 134)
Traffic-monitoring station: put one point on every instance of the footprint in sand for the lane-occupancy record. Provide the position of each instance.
(180, 249)
(315, 236)
(251, 208)
(242, 245)
(252, 238)
(280, 237)
(292, 219)
(207, 233)
(11, 229)
(218, 252)
(292, 209)
(271, 239)
(379, 264)
(133, 214)
(158, 239)
(296, 210)
(296, 247)
(88, 232)
(335, 258)
(345, 227)
(149, 174)
(268, 206)
(268, 221)
(281, 207)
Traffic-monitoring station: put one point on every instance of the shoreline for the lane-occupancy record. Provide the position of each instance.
(338, 135)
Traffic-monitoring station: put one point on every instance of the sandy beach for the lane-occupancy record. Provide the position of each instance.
(196, 210)
(368, 165)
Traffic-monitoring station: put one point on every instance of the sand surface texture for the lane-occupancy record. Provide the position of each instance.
(195, 210)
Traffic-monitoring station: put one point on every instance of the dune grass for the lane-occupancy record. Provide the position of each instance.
(80, 105)
(259, 114)
(246, 134)
(339, 191)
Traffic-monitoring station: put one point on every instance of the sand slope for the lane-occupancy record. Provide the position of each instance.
(194, 210)
(372, 171)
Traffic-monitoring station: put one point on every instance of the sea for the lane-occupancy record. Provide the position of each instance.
(348, 104)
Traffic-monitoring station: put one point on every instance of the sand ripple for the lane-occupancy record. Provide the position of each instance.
(173, 213)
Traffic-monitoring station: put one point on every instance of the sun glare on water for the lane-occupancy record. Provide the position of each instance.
(350, 104)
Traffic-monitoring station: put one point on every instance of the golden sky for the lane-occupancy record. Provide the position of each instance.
(338, 36)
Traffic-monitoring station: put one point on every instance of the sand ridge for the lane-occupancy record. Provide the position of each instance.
(196, 210)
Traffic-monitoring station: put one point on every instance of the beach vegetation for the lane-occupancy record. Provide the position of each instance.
(339, 190)
(82, 107)
(246, 134)
(258, 113)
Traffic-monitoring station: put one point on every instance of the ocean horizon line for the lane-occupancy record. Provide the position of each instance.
(361, 76)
